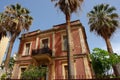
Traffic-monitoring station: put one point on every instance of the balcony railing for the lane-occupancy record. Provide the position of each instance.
(42, 51)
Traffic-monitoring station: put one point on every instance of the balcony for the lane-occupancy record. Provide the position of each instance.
(42, 51)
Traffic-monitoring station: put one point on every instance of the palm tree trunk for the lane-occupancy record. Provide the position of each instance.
(110, 50)
(69, 49)
(11, 42)
(109, 47)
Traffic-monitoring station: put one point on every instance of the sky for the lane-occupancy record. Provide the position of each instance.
(45, 15)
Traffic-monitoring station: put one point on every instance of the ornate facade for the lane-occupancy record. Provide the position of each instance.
(48, 48)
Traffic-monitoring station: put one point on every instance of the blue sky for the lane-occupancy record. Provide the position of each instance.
(46, 15)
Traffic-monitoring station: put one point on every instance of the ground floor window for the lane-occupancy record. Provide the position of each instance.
(66, 71)
(46, 76)
(21, 70)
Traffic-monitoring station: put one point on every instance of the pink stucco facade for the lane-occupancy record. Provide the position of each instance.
(55, 57)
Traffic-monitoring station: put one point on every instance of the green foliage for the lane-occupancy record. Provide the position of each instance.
(102, 62)
(11, 63)
(3, 77)
(34, 72)
(114, 58)
(10, 66)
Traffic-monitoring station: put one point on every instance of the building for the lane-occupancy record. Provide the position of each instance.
(48, 48)
(3, 47)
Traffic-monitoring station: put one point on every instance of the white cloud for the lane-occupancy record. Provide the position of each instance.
(116, 47)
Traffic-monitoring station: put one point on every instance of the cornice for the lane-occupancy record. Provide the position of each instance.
(65, 57)
(55, 28)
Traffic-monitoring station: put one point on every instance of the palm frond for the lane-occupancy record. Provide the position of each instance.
(100, 8)
(68, 6)
(12, 6)
(106, 7)
(110, 10)
(103, 20)
(18, 6)
(114, 15)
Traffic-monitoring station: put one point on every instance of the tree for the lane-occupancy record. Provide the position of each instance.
(68, 7)
(104, 21)
(15, 20)
(102, 62)
(10, 66)
(34, 72)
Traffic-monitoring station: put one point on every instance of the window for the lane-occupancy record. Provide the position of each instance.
(21, 70)
(66, 71)
(45, 43)
(27, 49)
(44, 66)
(64, 43)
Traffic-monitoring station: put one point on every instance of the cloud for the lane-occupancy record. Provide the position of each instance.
(116, 48)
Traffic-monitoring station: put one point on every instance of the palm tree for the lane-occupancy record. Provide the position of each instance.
(104, 21)
(68, 7)
(15, 21)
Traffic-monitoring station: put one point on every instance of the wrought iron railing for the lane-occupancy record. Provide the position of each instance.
(42, 51)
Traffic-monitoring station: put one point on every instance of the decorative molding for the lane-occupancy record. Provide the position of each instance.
(64, 63)
(37, 39)
(23, 53)
(75, 56)
(53, 71)
(53, 44)
(44, 33)
(87, 68)
(19, 73)
(82, 41)
(43, 39)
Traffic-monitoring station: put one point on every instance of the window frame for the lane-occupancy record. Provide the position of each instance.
(41, 45)
(24, 54)
(63, 47)
(63, 69)
(64, 63)
(19, 74)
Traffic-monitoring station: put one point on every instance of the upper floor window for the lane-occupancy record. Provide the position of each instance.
(64, 43)
(27, 49)
(45, 43)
